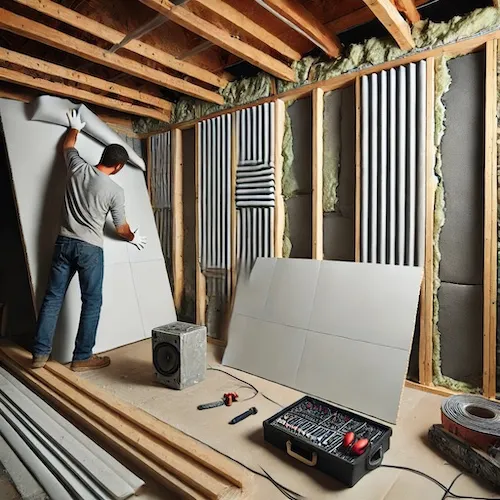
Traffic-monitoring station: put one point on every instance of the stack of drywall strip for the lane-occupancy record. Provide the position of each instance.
(255, 189)
(393, 129)
(65, 463)
(172, 458)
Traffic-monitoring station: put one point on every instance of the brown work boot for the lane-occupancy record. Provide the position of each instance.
(93, 363)
(39, 360)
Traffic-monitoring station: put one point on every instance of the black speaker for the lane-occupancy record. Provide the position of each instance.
(179, 354)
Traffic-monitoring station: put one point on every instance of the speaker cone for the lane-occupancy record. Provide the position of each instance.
(166, 359)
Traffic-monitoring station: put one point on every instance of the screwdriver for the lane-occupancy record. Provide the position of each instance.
(239, 418)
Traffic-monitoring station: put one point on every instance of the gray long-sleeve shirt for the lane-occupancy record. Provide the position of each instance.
(90, 196)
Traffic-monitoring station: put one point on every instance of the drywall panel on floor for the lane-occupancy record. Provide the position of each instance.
(352, 315)
(39, 175)
(374, 389)
(461, 327)
(461, 240)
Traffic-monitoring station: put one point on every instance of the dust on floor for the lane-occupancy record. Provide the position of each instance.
(131, 378)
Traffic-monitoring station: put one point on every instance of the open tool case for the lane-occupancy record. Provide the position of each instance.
(313, 431)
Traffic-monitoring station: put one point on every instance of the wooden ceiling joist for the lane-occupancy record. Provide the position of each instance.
(390, 17)
(61, 89)
(250, 27)
(222, 38)
(54, 38)
(296, 14)
(113, 36)
(409, 9)
(48, 68)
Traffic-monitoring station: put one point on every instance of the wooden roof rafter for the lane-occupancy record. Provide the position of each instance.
(390, 17)
(57, 39)
(111, 35)
(55, 70)
(304, 21)
(190, 21)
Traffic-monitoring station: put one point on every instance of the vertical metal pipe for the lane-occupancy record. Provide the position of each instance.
(382, 257)
(254, 124)
(272, 132)
(412, 167)
(374, 137)
(199, 180)
(218, 190)
(365, 121)
(266, 137)
(392, 165)
(229, 187)
(401, 166)
(421, 158)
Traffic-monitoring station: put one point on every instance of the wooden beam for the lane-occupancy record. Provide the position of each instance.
(409, 9)
(357, 174)
(68, 16)
(454, 49)
(75, 76)
(201, 285)
(390, 17)
(314, 30)
(318, 105)
(218, 36)
(432, 389)
(427, 291)
(250, 27)
(49, 36)
(490, 224)
(56, 88)
(177, 218)
(279, 209)
(191, 462)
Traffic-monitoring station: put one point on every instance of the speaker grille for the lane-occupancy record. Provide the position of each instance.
(166, 358)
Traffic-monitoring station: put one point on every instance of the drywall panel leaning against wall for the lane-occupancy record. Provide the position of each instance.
(39, 173)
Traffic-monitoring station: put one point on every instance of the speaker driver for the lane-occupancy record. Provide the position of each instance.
(166, 359)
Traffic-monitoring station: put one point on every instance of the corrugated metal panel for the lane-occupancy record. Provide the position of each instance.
(255, 188)
(393, 165)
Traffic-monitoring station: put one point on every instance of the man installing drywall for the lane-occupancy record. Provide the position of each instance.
(90, 196)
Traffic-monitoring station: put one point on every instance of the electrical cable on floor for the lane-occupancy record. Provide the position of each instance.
(296, 496)
(246, 383)
(446, 489)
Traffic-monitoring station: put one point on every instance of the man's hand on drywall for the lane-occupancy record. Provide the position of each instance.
(139, 241)
(75, 121)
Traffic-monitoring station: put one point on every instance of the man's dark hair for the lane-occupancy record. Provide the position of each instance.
(114, 154)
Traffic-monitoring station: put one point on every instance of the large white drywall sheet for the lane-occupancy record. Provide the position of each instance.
(136, 290)
(341, 331)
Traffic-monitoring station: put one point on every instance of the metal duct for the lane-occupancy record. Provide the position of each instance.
(255, 189)
(161, 176)
(393, 129)
(214, 205)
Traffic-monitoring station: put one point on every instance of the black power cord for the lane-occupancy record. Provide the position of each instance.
(295, 496)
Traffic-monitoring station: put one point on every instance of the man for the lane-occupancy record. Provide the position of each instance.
(90, 196)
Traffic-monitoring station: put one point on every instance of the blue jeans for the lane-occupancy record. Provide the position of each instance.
(70, 256)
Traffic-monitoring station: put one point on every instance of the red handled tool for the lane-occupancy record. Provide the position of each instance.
(354, 445)
(228, 399)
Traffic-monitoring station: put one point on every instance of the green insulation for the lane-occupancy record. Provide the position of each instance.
(442, 85)
(235, 93)
(289, 184)
(331, 161)
(427, 35)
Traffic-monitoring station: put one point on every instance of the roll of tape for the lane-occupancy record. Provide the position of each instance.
(474, 419)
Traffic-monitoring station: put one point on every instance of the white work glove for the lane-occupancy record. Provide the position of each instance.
(139, 241)
(75, 120)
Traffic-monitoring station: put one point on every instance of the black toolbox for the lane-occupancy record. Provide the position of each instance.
(313, 431)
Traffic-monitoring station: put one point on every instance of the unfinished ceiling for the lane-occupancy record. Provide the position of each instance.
(140, 56)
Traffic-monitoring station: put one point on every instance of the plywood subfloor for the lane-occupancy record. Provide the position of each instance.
(130, 377)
